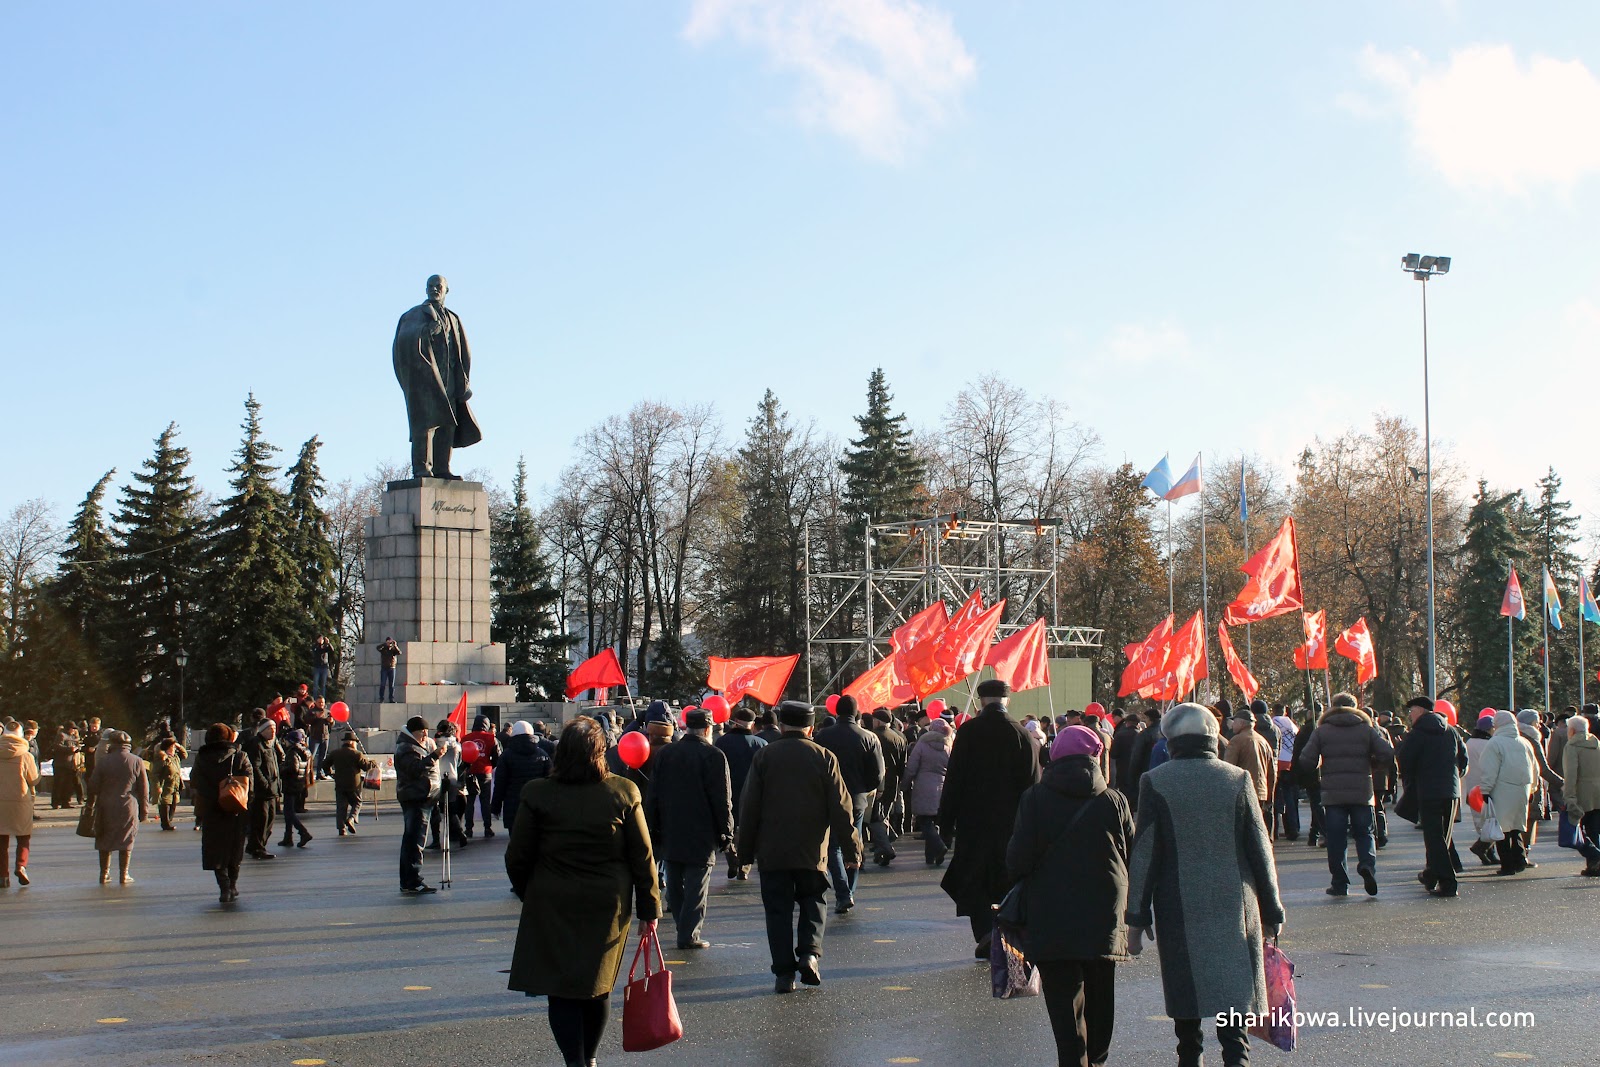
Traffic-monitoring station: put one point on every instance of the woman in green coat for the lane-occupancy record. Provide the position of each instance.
(579, 859)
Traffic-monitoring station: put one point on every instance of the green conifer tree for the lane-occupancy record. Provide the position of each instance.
(1492, 544)
(883, 475)
(1554, 537)
(311, 547)
(155, 562)
(525, 606)
(83, 602)
(252, 620)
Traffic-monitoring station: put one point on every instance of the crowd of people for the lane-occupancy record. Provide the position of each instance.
(1149, 820)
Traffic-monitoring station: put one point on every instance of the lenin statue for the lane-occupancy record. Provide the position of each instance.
(432, 362)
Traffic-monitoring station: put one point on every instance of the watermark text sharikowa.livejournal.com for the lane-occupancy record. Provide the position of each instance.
(1390, 1019)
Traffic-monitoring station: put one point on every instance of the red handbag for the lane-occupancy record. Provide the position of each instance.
(649, 1014)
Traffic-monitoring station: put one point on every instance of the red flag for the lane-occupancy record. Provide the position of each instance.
(1512, 605)
(458, 717)
(1274, 585)
(965, 652)
(597, 672)
(1236, 669)
(955, 652)
(1313, 655)
(1147, 660)
(1185, 663)
(875, 688)
(1022, 661)
(1356, 643)
(763, 677)
(921, 626)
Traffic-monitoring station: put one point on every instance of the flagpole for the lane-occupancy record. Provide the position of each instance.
(1244, 524)
(1581, 668)
(1511, 662)
(1205, 583)
(1170, 561)
(1546, 621)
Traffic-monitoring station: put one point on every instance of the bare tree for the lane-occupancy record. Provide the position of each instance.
(29, 538)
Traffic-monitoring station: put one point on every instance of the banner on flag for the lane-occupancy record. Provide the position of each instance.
(1274, 585)
(1356, 644)
(1147, 660)
(1313, 655)
(1022, 660)
(762, 677)
(1159, 480)
(1587, 608)
(1511, 605)
(1236, 669)
(601, 671)
(921, 626)
(875, 688)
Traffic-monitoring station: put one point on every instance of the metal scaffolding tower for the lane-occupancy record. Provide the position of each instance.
(907, 566)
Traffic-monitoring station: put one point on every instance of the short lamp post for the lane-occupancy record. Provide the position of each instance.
(182, 660)
(1422, 268)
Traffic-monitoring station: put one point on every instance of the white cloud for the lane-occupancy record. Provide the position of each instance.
(1487, 121)
(1137, 345)
(876, 72)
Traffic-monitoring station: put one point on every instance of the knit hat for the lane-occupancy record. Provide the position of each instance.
(657, 712)
(1033, 728)
(1503, 719)
(1259, 707)
(939, 726)
(1077, 741)
(522, 728)
(295, 737)
(1189, 719)
(1225, 706)
(1344, 700)
(1528, 716)
(845, 708)
(1486, 720)
(415, 723)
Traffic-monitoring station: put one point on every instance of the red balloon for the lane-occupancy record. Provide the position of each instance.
(340, 711)
(1097, 709)
(685, 716)
(1475, 798)
(961, 719)
(833, 703)
(1447, 709)
(720, 715)
(714, 702)
(937, 708)
(470, 752)
(634, 749)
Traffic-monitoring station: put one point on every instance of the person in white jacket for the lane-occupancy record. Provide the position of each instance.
(1506, 773)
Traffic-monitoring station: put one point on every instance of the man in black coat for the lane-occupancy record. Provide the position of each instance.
(266, 787)
(860, 759)
(740, 746)
(689, 808)
(1123, 740)
(416, 786)
(992, 763)
(1432, 760)
(885, 824)
(1139, 756)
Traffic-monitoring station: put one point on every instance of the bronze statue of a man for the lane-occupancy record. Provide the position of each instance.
(433, 364)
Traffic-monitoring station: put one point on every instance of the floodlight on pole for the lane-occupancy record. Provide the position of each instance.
(1422, 268)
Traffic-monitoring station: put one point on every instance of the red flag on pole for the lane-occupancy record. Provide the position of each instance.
(1356, 643)
(875, 688)
(600, 671)
(964, 651)
(1147, 660)
(1274, 585)
(921, 626)
(1313, 655)
(1185, 663)
(1236, 669)
(763, 677)
(1511, 604)
(458, 717)
(1022, 660)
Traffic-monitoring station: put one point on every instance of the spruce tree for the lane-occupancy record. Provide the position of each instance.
(83, 603)
(1491, 546)
(1553, 537)
(311, 547)
(155, 563)
(883, 475)
(524, 603)
(252, 623)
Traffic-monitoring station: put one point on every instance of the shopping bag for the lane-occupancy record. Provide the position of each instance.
(1010, 973)
(1569, 835)
(649, 1014)
(1490, 831)
(86, 819)
(1279, 1030)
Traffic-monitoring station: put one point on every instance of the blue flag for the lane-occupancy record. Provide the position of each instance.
(1159, 480)
(1244, 505)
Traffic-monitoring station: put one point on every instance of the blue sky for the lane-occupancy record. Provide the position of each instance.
(1182, 220)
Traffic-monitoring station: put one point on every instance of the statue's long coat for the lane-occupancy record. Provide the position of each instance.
(430, 401)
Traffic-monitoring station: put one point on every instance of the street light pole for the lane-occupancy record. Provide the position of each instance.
(182, 660)
(1422, 268)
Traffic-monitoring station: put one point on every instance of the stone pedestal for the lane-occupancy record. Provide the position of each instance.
(427, 586)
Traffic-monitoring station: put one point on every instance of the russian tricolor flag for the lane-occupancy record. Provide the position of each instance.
(1188, 485)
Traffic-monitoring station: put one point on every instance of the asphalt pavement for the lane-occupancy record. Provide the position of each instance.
(323, 962)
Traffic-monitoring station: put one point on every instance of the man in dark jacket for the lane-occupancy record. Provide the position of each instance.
(1432, 761)
(861, 764)
(767, 727)
(740, 746)
(1349, 748)
(265, 789)
(1139, 755)
(689, 809)
(1123, 740)
(524, 758)
(416, 787)
(885, 824)
(794, 801)
(1308, 778)
(349, 767)
(992, 763)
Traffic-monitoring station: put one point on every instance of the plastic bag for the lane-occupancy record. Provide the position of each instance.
(1010, 973)
(1280, 1030)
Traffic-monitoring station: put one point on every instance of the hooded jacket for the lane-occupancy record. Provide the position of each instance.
(1580, 763)
(1348, 747)
(1433, 758)
(925, 769)
(416, 770)
(19, 774)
